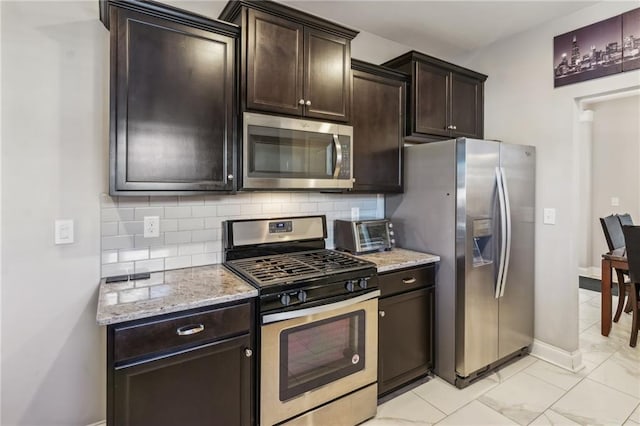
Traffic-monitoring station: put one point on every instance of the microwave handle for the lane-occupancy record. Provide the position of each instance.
(338, 146)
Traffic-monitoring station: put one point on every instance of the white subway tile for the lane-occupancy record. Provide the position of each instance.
(205, 259)
(197, 200)
(342, 205)
(113, 269)
(149, 266)
(108, 201)
(163, 251)
(250, 209)
(229, 209)
(133, 295)
(117, 214)
(203, 211)
(131, 255)
(190, 224)
(213, 222)
(192, 248)
(213, 199)
(177, 212)
(177, 262)
(109, 256)
(141, 241)
(290, 208)
(177, 237)
(298, 197)
(272, 208)
(108, 229)
(141, 212)
(326, 206)
(204, 235)
(130, 228)
(133, 201)
(212, 246)
(168, 225)
(308, 207)
(163, 201)
(281, 197)
(261, 197)
(119, 242)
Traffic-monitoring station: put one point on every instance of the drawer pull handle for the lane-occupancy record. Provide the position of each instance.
(382, 314)
(409, 280)
(188, 330)
(248, 353)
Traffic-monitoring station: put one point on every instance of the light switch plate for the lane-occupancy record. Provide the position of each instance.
(615, 201)
(549, 216)
(64, 231)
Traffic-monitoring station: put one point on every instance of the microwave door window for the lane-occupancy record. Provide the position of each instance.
(284, 153)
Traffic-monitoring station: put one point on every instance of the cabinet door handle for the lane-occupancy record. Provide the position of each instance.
(188, 330)
(382, 314)
(308, 103)
(409, 280)
(248, 353)
(230, 176)
(450, 127)
(454, 127)
(301, 102)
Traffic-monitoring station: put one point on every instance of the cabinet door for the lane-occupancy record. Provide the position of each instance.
(405, 338)
(274, 64)
(431, 100)
(172, 106)
(377, 117)
(210, 385)
(327, 82)
(466, 106)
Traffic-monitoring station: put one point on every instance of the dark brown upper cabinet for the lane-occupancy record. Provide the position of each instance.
(445, 100)
(292, 62)
(173, 102)
(377, 117)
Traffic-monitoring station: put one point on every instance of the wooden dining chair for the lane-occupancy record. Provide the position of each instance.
(632, 240)
(615, 239)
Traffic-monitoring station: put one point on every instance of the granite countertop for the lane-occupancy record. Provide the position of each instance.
(169, 291)
(398, 258)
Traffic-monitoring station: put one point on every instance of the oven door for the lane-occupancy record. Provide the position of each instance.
(315, 355)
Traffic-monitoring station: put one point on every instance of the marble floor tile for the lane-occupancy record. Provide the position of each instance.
(634, 418)
(558, 376)
(407, 407)
(585, 295)
(506, 372)
(592, 403)
(621, 372)
(589, 311)
(595, 347)
(583, 324)
(447, 398)
(551, 418)
(522, 398)
(476, 413)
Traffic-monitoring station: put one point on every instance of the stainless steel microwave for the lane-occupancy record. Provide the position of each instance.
(291, 153)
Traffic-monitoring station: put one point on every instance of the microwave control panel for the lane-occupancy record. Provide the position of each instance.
(345, 170)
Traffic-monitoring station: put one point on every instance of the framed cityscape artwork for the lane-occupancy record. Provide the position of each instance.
(604, 48)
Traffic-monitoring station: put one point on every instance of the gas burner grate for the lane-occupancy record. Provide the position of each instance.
(289, 267)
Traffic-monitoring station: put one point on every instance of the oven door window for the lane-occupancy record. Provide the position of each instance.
(373, 235)
(321, 352)
(284, 153)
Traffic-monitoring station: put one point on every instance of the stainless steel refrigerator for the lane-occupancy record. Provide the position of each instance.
(472, 203)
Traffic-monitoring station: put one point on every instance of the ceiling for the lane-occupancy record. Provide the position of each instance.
(439, 28)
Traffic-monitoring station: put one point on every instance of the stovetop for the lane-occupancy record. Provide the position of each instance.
(271, 270)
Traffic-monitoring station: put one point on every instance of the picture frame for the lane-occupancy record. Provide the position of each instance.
(631, 40)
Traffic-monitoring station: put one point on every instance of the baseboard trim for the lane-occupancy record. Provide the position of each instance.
(571, 361)
(101, 423)
(591, 272)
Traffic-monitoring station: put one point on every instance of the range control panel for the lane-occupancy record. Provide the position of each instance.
(282, 226)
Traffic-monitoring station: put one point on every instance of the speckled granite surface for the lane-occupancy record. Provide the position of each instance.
(169, 291)
(399, 258)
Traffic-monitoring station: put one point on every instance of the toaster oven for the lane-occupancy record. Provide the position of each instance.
(363, 236)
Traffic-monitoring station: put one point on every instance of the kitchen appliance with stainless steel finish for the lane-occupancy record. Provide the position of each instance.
(472, 203)
(363, 236)
(292, 153)
(318, 320)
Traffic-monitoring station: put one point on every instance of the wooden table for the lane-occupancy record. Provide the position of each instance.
(614, 259)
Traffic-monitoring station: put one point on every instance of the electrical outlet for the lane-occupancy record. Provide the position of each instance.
(355, 213)
(615, 201)
(64, 231)
(151, 226)
(549, 216)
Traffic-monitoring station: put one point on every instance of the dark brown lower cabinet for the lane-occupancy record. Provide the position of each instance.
(406, 326)
(208, 382)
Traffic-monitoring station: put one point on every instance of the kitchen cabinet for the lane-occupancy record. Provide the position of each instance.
(193, 368)
(445, 100)
(173, 108)
(405, 326)
(378, 116)
(292, 63)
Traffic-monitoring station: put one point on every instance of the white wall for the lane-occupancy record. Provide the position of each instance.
(521, 106)
(54, 138)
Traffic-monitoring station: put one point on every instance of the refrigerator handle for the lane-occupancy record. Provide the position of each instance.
(507, 213)
(503, 231)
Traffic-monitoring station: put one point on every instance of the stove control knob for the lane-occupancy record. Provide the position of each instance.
(363, 283)
(351, 285)
(285, 299)
(302, 296)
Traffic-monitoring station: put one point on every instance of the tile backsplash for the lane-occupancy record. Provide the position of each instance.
(190, 227)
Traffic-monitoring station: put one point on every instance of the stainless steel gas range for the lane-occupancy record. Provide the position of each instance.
(318, 321)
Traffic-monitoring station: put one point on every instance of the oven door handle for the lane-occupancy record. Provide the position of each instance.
(281, 316)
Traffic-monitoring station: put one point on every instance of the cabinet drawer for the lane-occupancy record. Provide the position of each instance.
(180, 331)
(406, 280)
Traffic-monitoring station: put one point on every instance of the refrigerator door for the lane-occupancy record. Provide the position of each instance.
(516, 304)
(477, 255)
